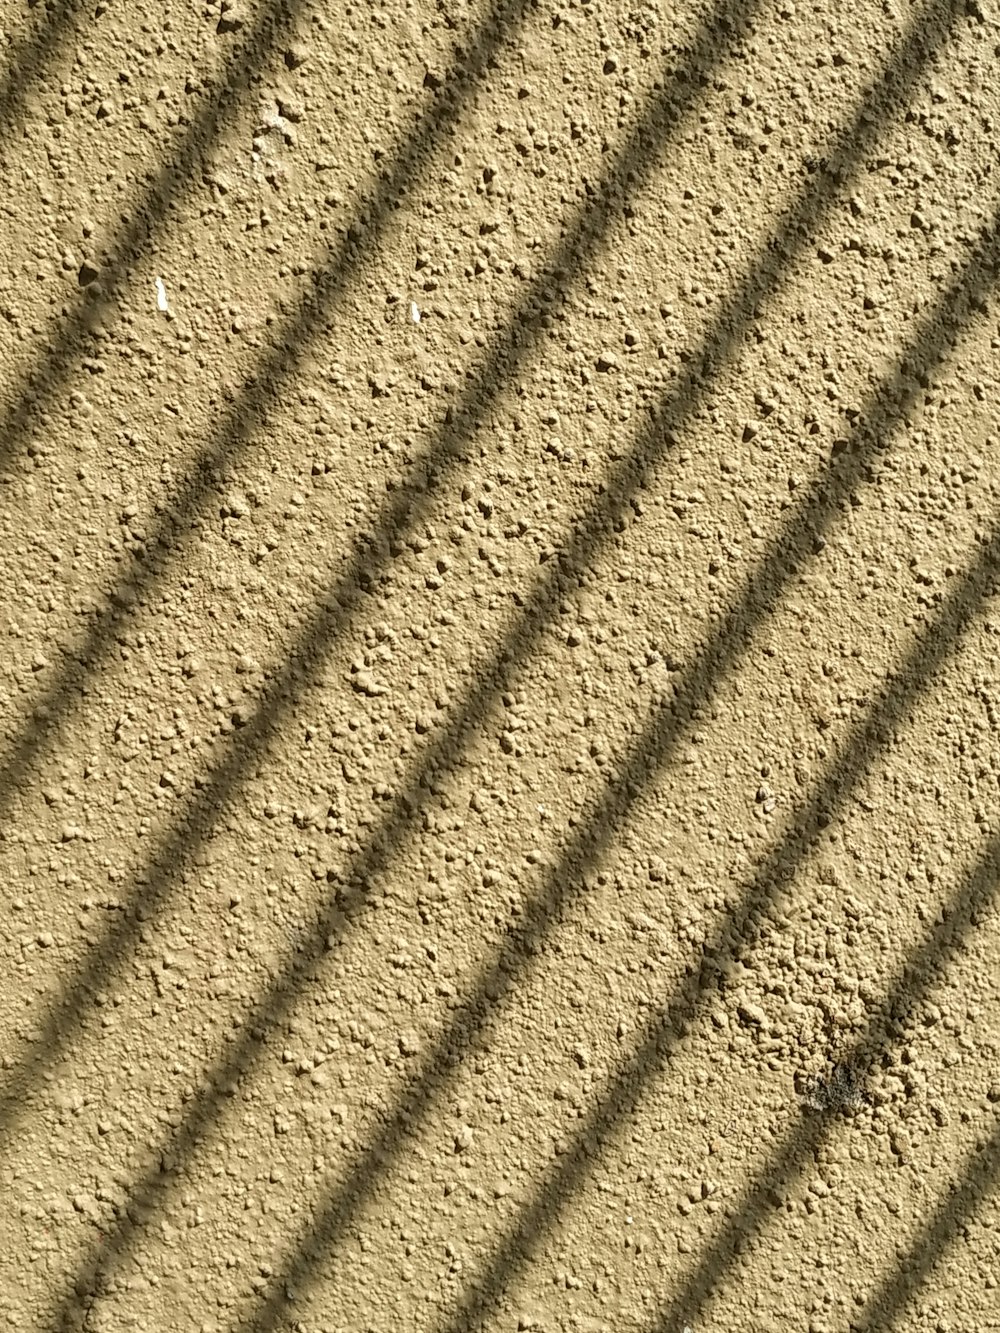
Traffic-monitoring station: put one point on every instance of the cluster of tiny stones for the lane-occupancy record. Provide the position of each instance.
(843, 1089)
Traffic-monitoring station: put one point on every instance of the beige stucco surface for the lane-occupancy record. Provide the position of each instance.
(499, 667)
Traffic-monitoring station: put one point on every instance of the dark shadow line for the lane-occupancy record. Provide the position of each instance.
(402, 509)
(108, 623)
(23, 59)
(40, 385)
(787, 554)
(914, 979)
(466, 1029)
(736, 937)
(978, 1178)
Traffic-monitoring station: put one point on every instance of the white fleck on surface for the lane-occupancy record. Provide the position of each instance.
(414, 312)
(161, 295)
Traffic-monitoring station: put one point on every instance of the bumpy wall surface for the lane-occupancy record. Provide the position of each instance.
(499, 666)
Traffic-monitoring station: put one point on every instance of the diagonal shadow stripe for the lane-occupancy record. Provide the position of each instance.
(402, 510)
(912, 983)
(41, 384)
(282, 361)
(787, 554)
(466, 1031)
(979, 1178)
(734, 936)
(27, 55)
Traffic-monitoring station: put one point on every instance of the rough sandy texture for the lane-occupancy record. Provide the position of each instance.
(500, 675)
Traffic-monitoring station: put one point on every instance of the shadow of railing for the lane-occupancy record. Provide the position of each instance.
(403, 509)
(737, 932)
(42, 383)
(978, 1179)
(27, 54)
(50, 369)
(913, 983)
(788, 553)
(660, 739)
